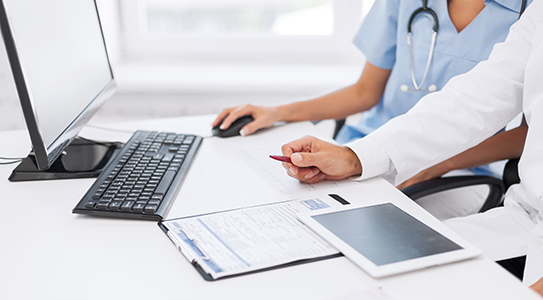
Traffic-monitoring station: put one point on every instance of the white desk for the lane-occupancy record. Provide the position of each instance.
(49, 253)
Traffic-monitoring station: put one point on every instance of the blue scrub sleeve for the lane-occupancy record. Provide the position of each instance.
(377, 36)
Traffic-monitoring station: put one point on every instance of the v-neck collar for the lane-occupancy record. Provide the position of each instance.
(513, 5)
(451, 24)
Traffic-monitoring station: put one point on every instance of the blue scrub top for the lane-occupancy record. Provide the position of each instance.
(383, 40)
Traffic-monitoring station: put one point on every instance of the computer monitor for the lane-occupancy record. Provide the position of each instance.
(60, 65)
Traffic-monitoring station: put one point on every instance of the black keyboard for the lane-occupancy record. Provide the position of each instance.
(142, 181)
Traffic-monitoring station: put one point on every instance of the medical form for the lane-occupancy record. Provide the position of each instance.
(249, 239)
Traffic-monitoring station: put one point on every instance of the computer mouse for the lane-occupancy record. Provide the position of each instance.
(234, 128)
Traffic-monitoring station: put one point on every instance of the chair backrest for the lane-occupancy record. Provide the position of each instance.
(510, 173)
(495, 195)
(339, 124)
(436, 185)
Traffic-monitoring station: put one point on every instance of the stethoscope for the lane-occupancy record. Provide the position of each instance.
(430, 14)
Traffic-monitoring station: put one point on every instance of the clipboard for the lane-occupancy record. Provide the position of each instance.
(182, 233)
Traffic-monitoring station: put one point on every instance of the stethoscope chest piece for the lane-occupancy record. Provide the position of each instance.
(405, 88)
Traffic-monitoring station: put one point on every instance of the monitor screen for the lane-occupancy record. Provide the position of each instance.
(61, 68)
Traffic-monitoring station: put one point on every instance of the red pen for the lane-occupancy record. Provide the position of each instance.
(281, 158)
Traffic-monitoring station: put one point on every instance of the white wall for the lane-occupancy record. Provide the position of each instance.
(169, 89)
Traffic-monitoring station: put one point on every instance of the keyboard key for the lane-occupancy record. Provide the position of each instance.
(168, 157)
(151, 208)
(157, 197)
(144, 198)
(127, 206)
(165, 182)
(102, 205)
(138, 208)
(155, 202)
(115, 205)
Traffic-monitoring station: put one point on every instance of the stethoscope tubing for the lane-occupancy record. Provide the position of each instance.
(426, 11)
(429, 13)
(428, 62)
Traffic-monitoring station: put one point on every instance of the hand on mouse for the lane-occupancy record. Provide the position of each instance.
(263, 117)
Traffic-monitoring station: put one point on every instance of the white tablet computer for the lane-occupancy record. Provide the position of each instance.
(383, 239)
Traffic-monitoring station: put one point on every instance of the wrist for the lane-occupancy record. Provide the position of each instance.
(353, 162)
(444, 167)
(283, 112)
(293, 112)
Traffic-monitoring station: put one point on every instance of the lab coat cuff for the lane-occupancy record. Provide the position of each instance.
(374, 160)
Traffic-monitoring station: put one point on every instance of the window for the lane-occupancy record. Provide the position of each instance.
(238, 18)
(237, 31)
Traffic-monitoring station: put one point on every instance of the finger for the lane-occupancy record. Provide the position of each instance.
(251, 127)
(221, 116)
(229, 120)
(291, 169)
(290, 173)
(315, 179)
(302, 174)
(306, 174)
(286, 149)
(311, 173)
(297, 146)
(236, 113)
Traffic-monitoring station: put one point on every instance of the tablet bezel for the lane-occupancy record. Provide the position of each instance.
(467, 250)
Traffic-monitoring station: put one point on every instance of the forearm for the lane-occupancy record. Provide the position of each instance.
(504, 145)
(359, 97)
(336, 105)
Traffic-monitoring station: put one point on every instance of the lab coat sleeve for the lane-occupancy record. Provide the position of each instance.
(534, 257)
(469, 109)
(375, 161)
(376, 37)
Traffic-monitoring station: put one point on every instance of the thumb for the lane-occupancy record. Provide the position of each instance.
(251, 127)
(303, 159)
(248, 129)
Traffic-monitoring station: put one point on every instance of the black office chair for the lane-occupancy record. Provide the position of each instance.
(497, 187)
(339, 124)
(432, 186)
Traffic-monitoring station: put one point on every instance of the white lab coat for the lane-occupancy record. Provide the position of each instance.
(469, 109)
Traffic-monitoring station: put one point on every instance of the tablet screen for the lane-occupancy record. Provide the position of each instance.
(385, 234)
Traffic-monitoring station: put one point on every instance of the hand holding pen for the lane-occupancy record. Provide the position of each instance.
(313, 160)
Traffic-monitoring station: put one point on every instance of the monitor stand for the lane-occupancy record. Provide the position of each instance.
(82, 159)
